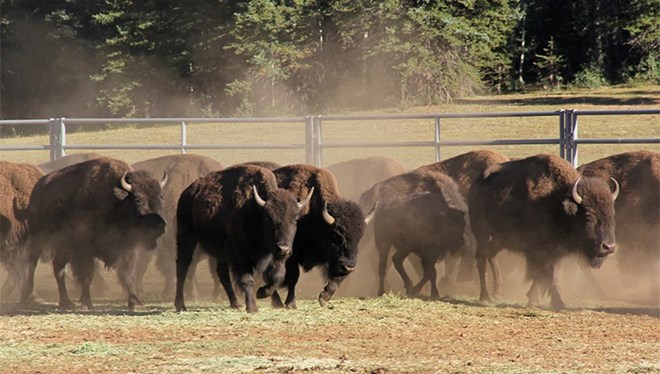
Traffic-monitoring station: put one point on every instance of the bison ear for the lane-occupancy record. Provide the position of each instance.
(570, 207)
(120, 193)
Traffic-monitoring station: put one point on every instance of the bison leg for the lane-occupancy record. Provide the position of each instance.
(484, 297)
(246, 284)
(382, 270)
(291, 279)
(397, 260)
(429, 275)
(126, 275)
(185, 247)
(555, 297)
(273, 277)
(497, 277)
(330, 290)
(452, 266)
(27, 289)
(143, 259)
(222, 269)
(213, 266)
(59, 264)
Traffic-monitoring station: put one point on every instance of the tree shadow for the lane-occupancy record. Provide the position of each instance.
(641, 98)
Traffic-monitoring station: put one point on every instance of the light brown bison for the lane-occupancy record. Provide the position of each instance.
(541, 207)
(100, 208)
(181, 170)
(240, 217)
(358, 175)
(637, 212)
(16, 183)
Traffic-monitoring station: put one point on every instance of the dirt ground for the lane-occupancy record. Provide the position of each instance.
(358, 332)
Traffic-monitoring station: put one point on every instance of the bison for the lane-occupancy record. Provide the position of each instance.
(328, 232)
(240, 217)
(429, 225)
(637, 212)
(541, 207)
(16, 183)
(99, 208)
(358, 175)
(182, 170)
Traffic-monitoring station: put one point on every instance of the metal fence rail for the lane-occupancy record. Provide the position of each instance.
(313, 143)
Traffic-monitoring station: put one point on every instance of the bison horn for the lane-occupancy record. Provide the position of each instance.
(576, 196)
(125, 185)
(307, 199)
(371, 214)
(163, 181)
(326, 216)
(258, 198)
(615, 194)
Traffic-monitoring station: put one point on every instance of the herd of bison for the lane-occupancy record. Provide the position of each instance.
(259, 223)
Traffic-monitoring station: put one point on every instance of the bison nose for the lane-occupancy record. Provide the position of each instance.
(348, 268)
(607, 248)
(285, 250)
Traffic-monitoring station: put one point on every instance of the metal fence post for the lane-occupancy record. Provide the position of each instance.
(437, 139)
(309, 140)
(574, 136)
(318, 141)
(562, 134)
(57, 135)
(184, 137)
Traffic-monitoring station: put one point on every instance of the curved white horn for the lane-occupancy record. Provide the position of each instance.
(326, 216)
(258, 198)
(125, 185)
(307, 199)
(371, 214)
(576, 196)
(615, 194)
(163, 181)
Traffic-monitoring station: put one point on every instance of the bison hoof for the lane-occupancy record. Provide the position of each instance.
(181, 308)
(67, 305)
(323, 300)
(291, 305)
(263, 292)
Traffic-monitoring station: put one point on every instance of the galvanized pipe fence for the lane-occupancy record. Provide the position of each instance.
(567, 140)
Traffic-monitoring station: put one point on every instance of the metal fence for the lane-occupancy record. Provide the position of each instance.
(567, 140)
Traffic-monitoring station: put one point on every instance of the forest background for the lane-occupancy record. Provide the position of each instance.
(160, 58)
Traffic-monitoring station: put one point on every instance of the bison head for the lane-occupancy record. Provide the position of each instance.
(591, 211)
(140, 203)
(281, 212)
(345, 225)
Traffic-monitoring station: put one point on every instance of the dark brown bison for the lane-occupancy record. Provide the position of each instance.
(637, 211)
(541, 207)
(182, 170)
(67, 160)
(270, 165)
(430, 225)
(328, 232)
(241, 218)
(100, 208)
(358, 175)
(16, 183)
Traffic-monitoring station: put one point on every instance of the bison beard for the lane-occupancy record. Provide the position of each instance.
(539, 206)
(95, 209)
(241, 218)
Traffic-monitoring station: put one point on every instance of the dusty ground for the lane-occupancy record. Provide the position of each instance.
(368, 334)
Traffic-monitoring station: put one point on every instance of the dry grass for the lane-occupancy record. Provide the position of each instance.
(637, 126)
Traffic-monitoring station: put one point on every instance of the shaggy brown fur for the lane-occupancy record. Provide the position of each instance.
(527, 206)
(637, 212)
(356, 176)
(16, 183)
(182, 170)
(319, 243)
(220, 213)
(83, 212)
